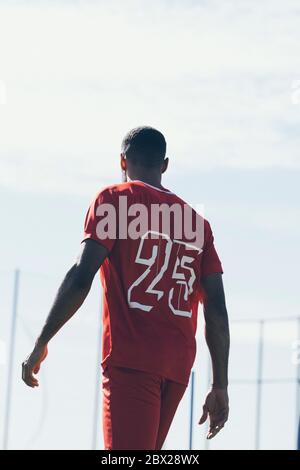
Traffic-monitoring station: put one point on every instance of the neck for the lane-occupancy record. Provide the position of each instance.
(154, 180)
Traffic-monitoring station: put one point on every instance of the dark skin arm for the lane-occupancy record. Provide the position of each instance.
(70, 296)
(218, 340)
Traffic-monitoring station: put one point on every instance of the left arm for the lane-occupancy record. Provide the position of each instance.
(70, 296)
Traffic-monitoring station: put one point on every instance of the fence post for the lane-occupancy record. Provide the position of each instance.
(259, 383)
(10, 364)
(97, 397)
(298, 388)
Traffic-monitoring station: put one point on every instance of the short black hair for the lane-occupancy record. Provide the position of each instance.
(145, 145)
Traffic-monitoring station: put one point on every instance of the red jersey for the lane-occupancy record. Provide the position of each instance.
(151, 277)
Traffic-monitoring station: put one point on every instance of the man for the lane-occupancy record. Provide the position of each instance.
(155, 267)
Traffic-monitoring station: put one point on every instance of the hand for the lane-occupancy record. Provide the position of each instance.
(32, 365)
(216, 407)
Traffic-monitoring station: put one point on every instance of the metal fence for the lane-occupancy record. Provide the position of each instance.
(260, 380)
(261, 364)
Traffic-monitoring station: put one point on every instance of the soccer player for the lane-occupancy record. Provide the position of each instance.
(157, 260)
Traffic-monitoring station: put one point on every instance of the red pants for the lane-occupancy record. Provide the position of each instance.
(138, 408)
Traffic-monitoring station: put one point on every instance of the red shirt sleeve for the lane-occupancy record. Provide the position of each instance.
(101, 220)
(210, 260)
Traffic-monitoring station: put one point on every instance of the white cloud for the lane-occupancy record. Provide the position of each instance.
(215, 77)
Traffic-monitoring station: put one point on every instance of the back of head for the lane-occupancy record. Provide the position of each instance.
(145, 146)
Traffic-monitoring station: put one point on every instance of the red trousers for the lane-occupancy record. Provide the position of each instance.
(138, 408)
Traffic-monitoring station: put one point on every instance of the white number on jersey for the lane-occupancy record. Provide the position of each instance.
(158, 265)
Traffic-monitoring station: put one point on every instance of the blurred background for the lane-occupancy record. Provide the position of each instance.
(221, 80)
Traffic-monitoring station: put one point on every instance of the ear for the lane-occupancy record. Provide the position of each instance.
(165, 165)
(123, 162)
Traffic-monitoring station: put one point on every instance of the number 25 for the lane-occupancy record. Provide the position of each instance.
(183, 281)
